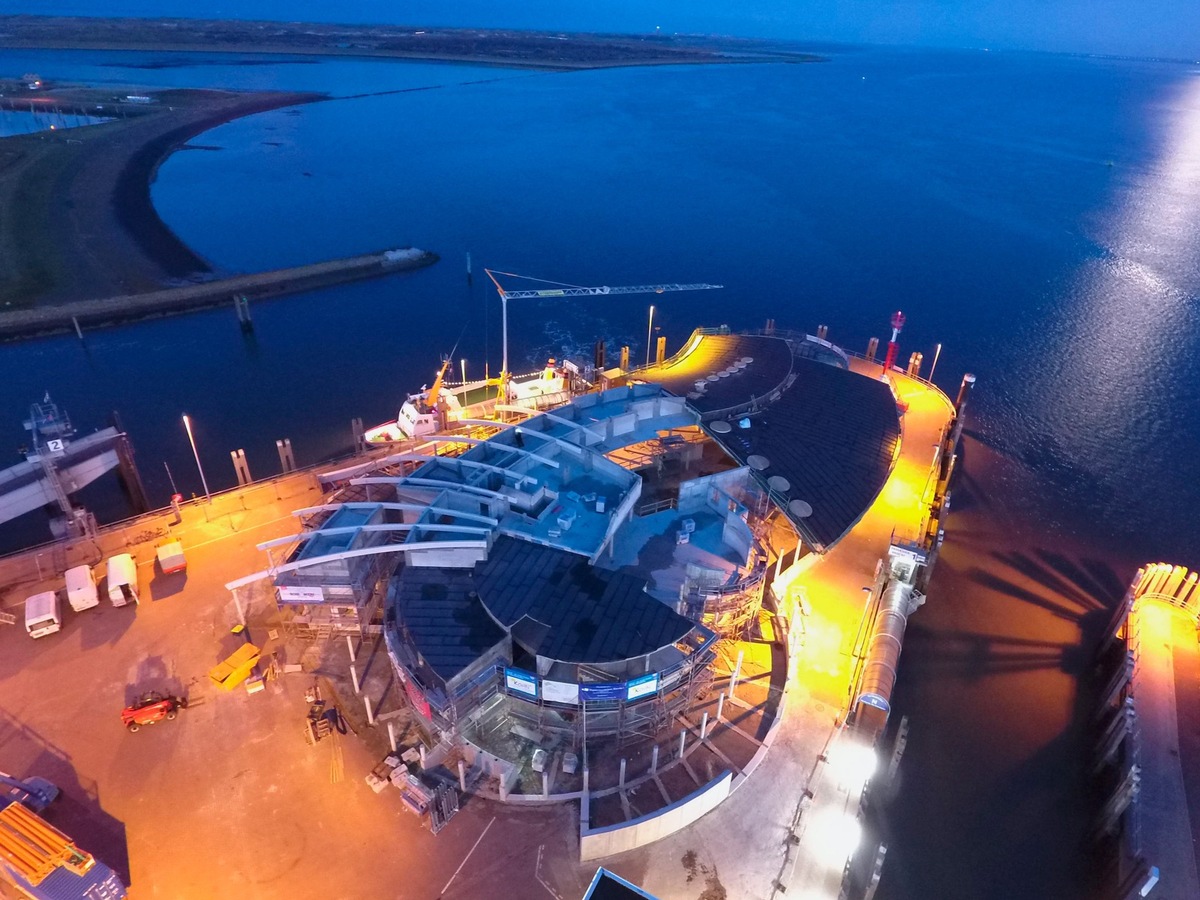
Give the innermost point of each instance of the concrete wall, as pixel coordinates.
(656, 826)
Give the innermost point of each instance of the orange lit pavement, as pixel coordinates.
(744, 844)
(227, 800)
(1166, 662)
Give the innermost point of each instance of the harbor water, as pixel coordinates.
(1036, 215)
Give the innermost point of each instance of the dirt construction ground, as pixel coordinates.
(229, 800)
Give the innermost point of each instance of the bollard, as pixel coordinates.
(585, 780)
(720, 705)
(737, 670)
(682, 742)
(545, 784)
(370, 714)
(704, 727)
(654, 760)
(462, 776)
(422, 757)
(621, 778)
(350, 647)
(354, 678)
(392, 735)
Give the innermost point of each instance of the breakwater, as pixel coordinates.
(113, 310)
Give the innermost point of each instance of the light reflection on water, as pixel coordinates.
(1103, 394)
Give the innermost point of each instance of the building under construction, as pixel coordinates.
(573, 571)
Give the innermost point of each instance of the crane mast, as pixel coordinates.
(559, 289)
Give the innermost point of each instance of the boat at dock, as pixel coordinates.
(443, 405)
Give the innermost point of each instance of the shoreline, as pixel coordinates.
(560, 51)
(499, 62)
(77, 220)
(80, 221)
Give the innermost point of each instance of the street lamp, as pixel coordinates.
(649, 335)
(187, 425)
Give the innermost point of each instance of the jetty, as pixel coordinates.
(79, 314)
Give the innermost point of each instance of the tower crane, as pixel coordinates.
(560, 289)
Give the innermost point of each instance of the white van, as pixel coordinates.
(122, 579)
(42, 614)
(81, 588)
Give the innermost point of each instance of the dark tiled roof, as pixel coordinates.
(606, 886)
(448, 626)
(772, 362)
(832, 435)
(592, 615)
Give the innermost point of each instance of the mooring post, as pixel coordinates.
(423, 766)
(654, 760)
(545, 784)
(392, 735)
(720, 705)
(287, 461)
(704, 727)
(621, 778)
(370, 714)
(737, 670)
(240, 467)
(350, 647)
(462, 776)
(682, 741)
(354, 678)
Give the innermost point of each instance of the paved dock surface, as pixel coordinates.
(1167, 668)
(229, 800)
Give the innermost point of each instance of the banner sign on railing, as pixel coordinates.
(642, 687)
(602, 691)
(560, 691)
(521, 681)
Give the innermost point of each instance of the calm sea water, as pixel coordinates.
(1039, 216)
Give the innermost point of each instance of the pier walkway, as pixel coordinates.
(1151, 721)
(110, 310)
(768, 839)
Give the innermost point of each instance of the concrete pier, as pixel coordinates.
(113, 310)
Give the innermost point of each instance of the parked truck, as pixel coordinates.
(81, 588)
(43, 614)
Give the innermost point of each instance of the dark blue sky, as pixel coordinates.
(1167, 28)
